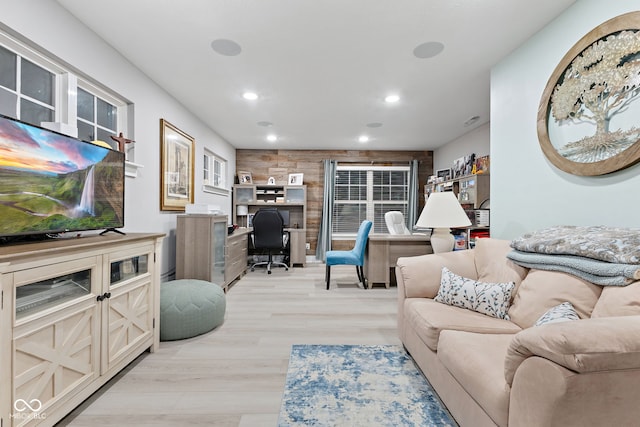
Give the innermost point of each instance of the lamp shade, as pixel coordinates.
(242, 210)
(443, 210)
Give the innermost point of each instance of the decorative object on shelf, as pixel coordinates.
(295, 178)
(441, 213)
(482, 165)
(176, 167)
(244, 177)
(588, 116)
(242, 211)
(271, 181)
(102, 144)
(463, 165)
(122, 141)
(280, 175)
(443, 174)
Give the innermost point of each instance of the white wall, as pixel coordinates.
(527, 191)
(48, 25)
(476, 141)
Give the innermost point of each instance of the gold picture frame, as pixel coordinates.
(588, 115)
(176, 167)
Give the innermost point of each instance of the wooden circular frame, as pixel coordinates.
(628, 157)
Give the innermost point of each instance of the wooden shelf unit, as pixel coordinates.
(289, 198)
(73, 313)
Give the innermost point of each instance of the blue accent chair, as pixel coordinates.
(353, 257)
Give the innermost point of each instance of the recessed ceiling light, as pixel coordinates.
(374, 125)
(471, 120)
(265, 124)
(250, 96)
(428, 50)
(226, 47)
(391, 98)
(272, 138)
(363, 138)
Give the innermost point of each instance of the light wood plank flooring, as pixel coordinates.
(235, 375)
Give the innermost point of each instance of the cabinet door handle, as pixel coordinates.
(100, 297)
(107, 294)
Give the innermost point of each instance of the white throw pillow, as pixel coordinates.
(492, 299)
(560, 313)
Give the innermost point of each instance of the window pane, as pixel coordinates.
(85, 131)
(105, 136)
(347, 217)
(106, 115)
(34, 113)
(8, 102)
(37, 82)
(85, 105)
(8, 69)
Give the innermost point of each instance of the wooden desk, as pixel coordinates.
(383, 250)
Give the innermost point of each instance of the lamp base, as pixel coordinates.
(442, 240)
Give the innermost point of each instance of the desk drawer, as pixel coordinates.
(407, 250)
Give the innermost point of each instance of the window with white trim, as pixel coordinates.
(27, 90)
(214, 172)
(97, 118)
(368, 192)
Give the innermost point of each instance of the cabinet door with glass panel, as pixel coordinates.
(127, 300)
(56, 340)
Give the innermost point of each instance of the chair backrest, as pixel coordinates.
(361, 240)
(395, 223)
(268, 228)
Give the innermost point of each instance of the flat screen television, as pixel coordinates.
(52, 183)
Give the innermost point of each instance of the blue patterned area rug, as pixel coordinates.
(358, 385)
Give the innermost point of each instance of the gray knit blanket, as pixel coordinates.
(598, 272)
(606, 256)
(610, 244)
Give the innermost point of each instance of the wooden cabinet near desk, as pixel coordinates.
(383, 251)
(205, 251)
(73, 313)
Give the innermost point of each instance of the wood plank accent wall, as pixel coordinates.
(309, 162)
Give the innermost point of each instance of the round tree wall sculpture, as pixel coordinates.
(589, 115)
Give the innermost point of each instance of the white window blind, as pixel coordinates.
(368, 192)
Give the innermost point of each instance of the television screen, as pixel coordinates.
(52, 183)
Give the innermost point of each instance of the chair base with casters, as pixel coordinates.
(353, 257)
(269, 262)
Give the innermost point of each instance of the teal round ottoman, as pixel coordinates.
(190, 307)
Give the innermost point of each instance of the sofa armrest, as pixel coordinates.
(588, 345)
(419, 276)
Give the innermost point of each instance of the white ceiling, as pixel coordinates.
(323, 67)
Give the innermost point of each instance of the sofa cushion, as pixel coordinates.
(428, 318)
(476, 361)
(541, 290)
(493, 265)
(618, 301)
(492, 299)
(417, 272)
(560, 313)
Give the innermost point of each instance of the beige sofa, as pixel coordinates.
(490, 371)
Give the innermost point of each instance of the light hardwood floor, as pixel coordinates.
(235, 374)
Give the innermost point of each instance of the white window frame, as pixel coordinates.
(210, 160)
(370, 203)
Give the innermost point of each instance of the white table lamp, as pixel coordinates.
(242, 210)
(442, 212)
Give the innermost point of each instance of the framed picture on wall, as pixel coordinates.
(176, 167)
(295, 179)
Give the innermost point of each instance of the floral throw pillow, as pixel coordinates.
(560, 313)
(492, 299)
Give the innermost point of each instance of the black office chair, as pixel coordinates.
(269, 234)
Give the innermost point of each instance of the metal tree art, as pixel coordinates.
(596, 83)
